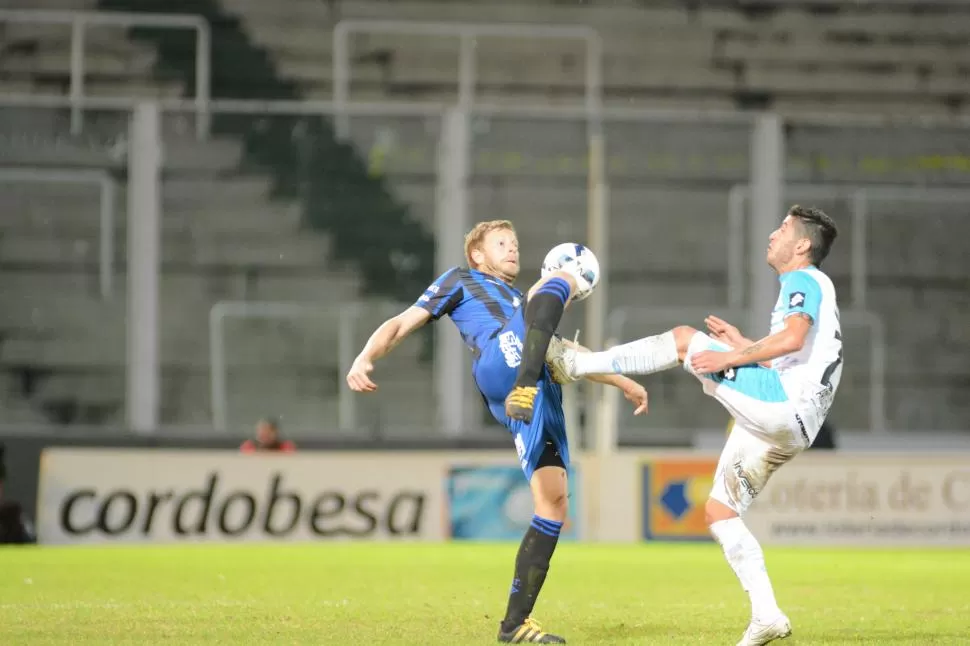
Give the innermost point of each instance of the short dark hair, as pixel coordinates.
(819, 228)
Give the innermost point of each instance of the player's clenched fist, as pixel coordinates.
(358, 378)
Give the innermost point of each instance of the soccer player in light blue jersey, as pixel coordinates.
(778, 390)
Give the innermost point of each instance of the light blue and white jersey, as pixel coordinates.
(812, 375)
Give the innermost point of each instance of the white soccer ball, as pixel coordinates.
(578, 261)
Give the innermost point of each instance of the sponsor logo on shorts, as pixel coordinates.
(801, 428)
(744, 482)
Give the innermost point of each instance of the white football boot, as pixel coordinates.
(758, 633)
(561, 361)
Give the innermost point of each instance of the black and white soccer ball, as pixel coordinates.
(579, 261)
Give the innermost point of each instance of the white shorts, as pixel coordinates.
(764, 436)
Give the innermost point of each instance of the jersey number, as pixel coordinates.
(827, 375)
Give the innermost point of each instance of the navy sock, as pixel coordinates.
(531, 566)
(542, 315)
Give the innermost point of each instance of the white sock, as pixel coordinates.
(640, 357)
(744, 554)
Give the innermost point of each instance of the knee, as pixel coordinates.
(552, 506)
(715, 511)
(683, 335)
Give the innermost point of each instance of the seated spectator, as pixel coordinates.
(268, 439)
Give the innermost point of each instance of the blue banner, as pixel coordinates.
(495, 503)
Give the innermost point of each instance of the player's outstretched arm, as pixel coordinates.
(634, 392)
(382, 341)
(788, 340)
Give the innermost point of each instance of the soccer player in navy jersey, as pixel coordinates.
(509, 334)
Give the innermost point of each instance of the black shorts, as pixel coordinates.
(550, 457)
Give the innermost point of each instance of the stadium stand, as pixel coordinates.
(254, 215)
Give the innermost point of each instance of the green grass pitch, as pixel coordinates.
(455, 594)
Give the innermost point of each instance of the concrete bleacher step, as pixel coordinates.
(99, 38)
(307, 54)
(71, 206)
(53, 5)
(276, 219)
(67, 303)
(886, 23)
(227, 191)
(927, 407)
(33, 219)
(307, 11)
(99, 350)
(73, 288)
(772, 78)
(19, 413)
(905, 106)
(185, 390)
(633, 63)
(315, 403)
(213, 249)
(102, 64)
(809, 50)
(187, 154)
(105, 385)
(115, 88)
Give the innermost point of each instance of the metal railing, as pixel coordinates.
(79, 21)
(860, 194)
(349, 342)
(466, 32)
(108, 188)
(346, 316)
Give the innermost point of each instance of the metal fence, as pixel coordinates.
(275, 207)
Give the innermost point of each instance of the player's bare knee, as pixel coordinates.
(549, 493)
(715, 511)
(555, 507)
(683, 335)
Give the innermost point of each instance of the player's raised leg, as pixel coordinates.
(549, 492)
(641, 357)
(546, 303)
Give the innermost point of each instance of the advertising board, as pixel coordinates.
(183, 496)
(866, 500)
(172, 496)
(493, 502)
(820, 498)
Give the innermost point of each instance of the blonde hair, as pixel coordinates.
(475, 237)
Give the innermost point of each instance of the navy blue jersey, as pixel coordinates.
(479, 304)
(489, 314)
